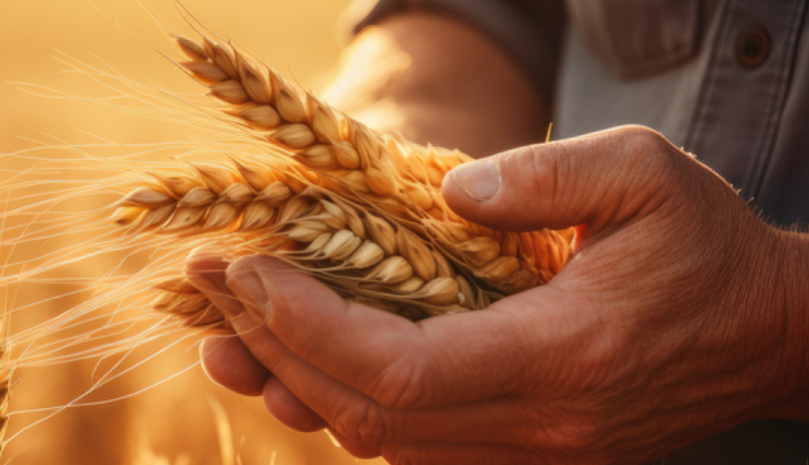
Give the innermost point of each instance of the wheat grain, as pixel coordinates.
(360, 252)
(358, 209)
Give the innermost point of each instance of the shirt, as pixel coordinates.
(727, 80)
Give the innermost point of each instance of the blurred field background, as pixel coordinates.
(175, 420)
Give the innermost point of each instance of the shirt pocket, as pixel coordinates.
(638, 38)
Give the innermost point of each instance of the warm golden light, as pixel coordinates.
(175, 420)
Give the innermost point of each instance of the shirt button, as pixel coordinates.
(753, 47)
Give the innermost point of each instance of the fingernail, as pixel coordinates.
(250, 289)
(213, 285)
(208, 346)
(480, 180)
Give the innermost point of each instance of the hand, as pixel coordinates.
(680, 316)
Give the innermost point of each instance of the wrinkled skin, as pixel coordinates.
(681, 315)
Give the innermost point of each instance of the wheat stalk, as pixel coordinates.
(5, 380)
(360, 210)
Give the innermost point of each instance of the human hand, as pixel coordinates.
(679, 316)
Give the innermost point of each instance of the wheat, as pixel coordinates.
(5, 380)
(361, 253)
(360, 210)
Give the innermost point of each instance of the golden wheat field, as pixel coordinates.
(167, 412)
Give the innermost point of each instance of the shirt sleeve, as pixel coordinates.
(528, 30)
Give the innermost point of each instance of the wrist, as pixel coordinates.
(787, 374)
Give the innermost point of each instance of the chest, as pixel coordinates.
(726, 79)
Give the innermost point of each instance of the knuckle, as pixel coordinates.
(645, 145)
(401, 384)
(578, 439)
(642, 135)
(404, 455)
(649, 159)
(554, 435)
(536, 169)
(365, 422)
(550, 173)
(543, 164)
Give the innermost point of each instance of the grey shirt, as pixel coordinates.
(727, 80)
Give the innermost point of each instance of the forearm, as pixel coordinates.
(437, 80)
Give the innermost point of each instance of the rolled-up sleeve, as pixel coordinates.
(528, 30)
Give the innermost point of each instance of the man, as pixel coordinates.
(678, 328)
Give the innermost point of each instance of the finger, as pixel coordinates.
(353, 414)
(229, 363)
(354, 447)
(600, 180)
(400, 364)
(361, 419)
(451, 454)
(289, 410)
(206, 272)
(357, 417)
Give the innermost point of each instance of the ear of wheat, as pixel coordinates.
(360, 210)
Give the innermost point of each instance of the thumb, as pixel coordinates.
(599, 180)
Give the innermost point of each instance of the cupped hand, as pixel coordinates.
(670, 323)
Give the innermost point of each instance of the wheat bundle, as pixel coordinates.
(360, 210)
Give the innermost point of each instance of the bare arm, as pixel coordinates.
(437, 80)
